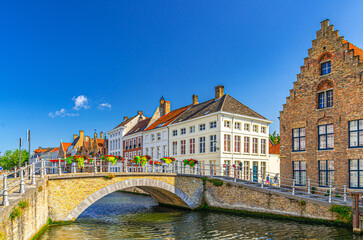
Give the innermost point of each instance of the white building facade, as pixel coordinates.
(156, 143)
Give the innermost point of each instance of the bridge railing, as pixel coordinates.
(338, 194)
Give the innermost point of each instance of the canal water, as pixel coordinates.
(130, 216)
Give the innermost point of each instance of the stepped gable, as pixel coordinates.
(139, 127)
(167, 118)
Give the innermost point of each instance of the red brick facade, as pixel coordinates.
(302, 110)
(132, 147)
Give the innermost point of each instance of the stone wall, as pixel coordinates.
(254, 199)
(32, 218)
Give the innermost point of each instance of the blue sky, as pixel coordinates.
(114, 58)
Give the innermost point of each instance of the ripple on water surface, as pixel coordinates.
(129, 216)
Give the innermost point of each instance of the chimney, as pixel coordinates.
(74, 136)
(195, 99)
(101, 134)
(140, 113)
(219, 91)
(95, 135)
(81, 135)
(125, 118)
(164, 106)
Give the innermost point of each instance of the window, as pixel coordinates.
(326, 173)
(356, 133)
(201, 127)
(147, 151)
(192, 129)
(192, 145)
(175, 132)
(152, 152)
(237, 125)
(126, 155)
(139, 142)
(247, 145)
(182, 147)
(298, 139)
(158, 152)
(263, 146)
(126, 145)
(299, 172)
(130, 144)
(213, 124)
(158, 136)
(255, 128)
(263, 129)
(255, 145)
(325, 99)
(202, 145)
(175, 148)
(237, 143)
(165, 151)
(183, 131)
(356, 173)
(152, 137)
(326, 137)
(325, 68)
(139, 153)
(227, 143)
(227, 124)
(134, 143)
(213, 143)
(247, 127)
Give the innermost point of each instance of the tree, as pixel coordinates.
(275, 138)
(11, 158)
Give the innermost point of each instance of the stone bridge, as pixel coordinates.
(71, 194)
(65, 197)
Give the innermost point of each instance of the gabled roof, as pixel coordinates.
(167, 118)
(226, 103)
(139, 127)
(126, 121)
(275, 149)
(65, 146)
(357, 50)
(55, 149)
(75, 141)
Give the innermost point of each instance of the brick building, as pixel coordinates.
(321, 124)
(133, 140)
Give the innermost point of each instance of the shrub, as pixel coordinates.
(313, 190)
(110, 176)
(204, 179)
(216, 182)
(40, 188)
(302, 203)
(15, 213)
(344, 213)
(228, 184)
(23, 204)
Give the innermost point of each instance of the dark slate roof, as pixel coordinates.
(139, 127)
(226, 103)
(75, 141)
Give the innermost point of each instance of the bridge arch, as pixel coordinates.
(149, 185)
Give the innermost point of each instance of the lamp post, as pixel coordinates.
(28, 138)
(20, 141)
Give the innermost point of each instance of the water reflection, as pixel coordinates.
(130, 216)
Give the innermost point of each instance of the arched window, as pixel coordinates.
(325, 94)
(325, 63)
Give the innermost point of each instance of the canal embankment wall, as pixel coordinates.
(26, 214)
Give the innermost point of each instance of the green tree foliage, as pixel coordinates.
(275, 138)
(11, 158)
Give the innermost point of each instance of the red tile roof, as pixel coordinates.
(167, 118)
(55, 149)
(357, 50)
(65, 146)
(275, 149)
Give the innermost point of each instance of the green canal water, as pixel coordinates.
(130, 216)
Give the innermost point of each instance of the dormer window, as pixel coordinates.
(325, 68)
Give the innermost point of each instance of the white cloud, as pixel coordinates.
(62, 113)
(104, 106)
(80, 102)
